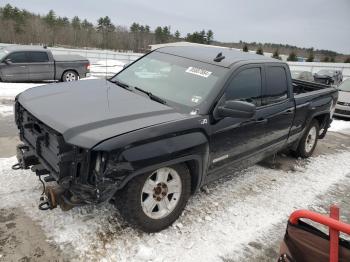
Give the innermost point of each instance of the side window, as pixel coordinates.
(37, 57)
(276, 85)
(246, 86)
(18, 57)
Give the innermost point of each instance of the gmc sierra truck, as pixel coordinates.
(33, 64)
(167, 124)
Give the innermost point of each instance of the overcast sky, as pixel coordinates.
(323, 24)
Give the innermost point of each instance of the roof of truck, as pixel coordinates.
(24, 48)
(207, 54)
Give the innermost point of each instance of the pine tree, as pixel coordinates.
(105, 27)
(260, 51)
(325, 59)
(134, 27)
(347, 60)
(276, 55)
(158, 33)
(292, 57)
(210, 36)
(177, 34)
(245, 48)
(311, 56)
(332, 60)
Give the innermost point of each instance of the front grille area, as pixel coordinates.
(58, 157)
(342, 112)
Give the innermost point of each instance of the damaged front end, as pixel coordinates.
(69, 174)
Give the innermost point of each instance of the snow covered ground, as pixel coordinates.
(217, 222)
(340, 126)
(103, 68)
(10, 90)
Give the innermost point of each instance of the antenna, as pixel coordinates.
(219, 57)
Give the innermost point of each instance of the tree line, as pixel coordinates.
(20, 26)
(23, 27)
(294, 53)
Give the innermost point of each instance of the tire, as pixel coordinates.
(309, 140)
(70, 76)
(147, 210)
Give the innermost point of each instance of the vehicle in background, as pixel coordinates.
(33, 64)
(302, 75)
(329, 77)
(164, 126)
(343, 105)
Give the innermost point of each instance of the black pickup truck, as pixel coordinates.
(167, 124)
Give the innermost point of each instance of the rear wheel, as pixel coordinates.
(153, 201)
(309, 140)
(70, 76)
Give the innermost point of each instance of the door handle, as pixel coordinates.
(288, 112)
(261, 120)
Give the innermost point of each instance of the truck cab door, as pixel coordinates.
(40, 66)
(14, 67)
(235, 141)
(278, 105)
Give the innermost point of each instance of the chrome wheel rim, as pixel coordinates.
(310, 140)
(71, 77)
(161, 193)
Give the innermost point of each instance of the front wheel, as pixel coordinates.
(70, 76)
(309, 140)
(153, 201)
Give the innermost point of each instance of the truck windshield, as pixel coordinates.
(345, 86)
(176, 79)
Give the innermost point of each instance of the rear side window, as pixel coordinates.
(18, 57)
(276, 85)
(37, 57)
(246, 86)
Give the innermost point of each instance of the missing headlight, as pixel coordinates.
(100, 162)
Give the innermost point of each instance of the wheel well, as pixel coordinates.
(73, 70)
(322, 119)
(194, 168)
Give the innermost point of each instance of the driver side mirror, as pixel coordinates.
(8, 61)
(237, 109)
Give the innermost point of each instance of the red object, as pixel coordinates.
(335, 226)
(334, 236)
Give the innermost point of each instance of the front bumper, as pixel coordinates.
(343, 111)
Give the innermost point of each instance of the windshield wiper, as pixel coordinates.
(121, 84)
(151, 96)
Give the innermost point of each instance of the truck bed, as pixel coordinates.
(68, 58)
(301, 86)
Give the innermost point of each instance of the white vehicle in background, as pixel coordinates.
(343, 105)
(302, 75)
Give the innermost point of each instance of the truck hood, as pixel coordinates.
(90, 111)
(323, 76)
(344, 97)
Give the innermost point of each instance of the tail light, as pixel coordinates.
(88, 67)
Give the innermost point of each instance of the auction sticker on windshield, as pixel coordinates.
(198, 71)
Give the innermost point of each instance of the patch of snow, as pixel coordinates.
(10, 90)
(241, 208)
(340, 125)
(6, 110)
(106, 67)
(109, 63)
